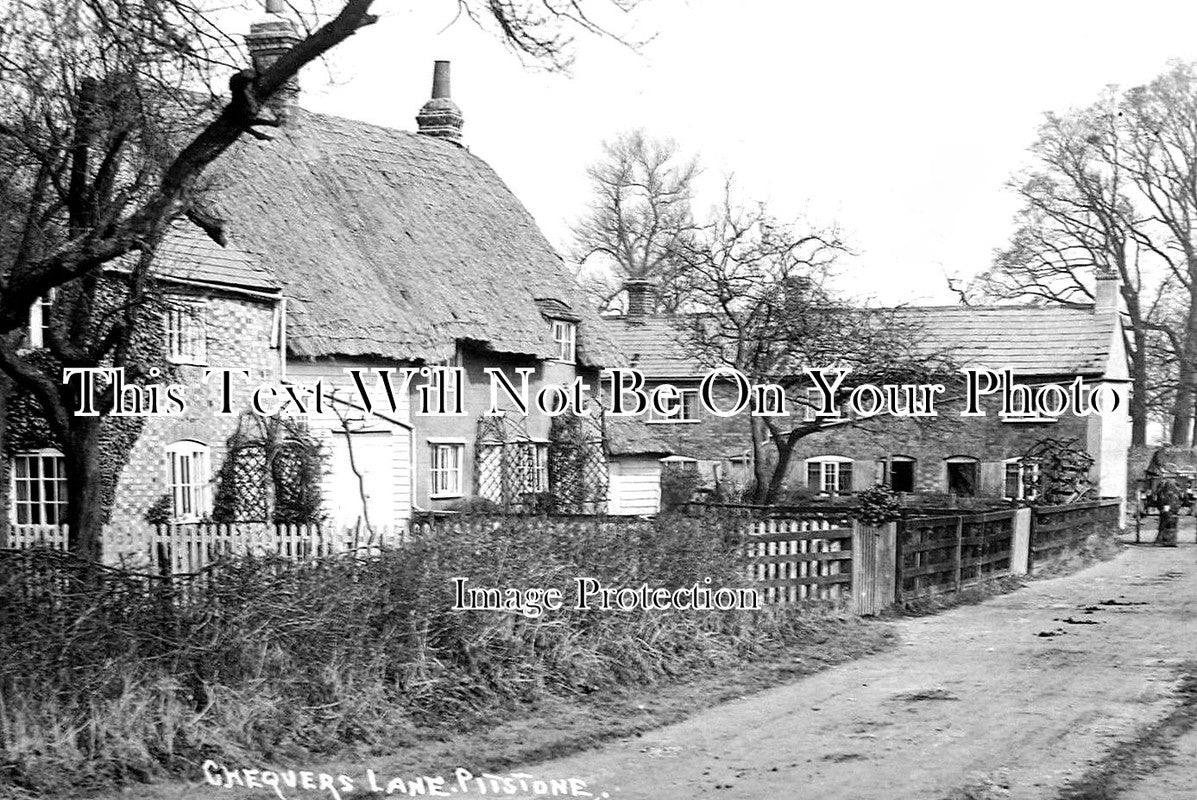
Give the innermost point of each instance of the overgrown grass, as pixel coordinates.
(103, 680)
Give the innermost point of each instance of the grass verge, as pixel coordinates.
(116, 679)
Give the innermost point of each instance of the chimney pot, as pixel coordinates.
(440, 117)
(440, 80)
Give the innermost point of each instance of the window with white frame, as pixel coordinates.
(186, 333)
(540, 467)
(39, 319)
(188, 474)
(445, 468)
(682, 408)
(39, 488)
(565, 338)
(829, 474)
(1022, 478)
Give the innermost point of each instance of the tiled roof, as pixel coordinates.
(655, 345)
(395, 244)
(189, 254)
(1035, 340)
(1029, 340)
(630, 436)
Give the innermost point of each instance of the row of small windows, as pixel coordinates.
(39, 488)
(832, 475)
(186, 329)
(39, 485)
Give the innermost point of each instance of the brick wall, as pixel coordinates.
(929, 442)
(239, 334)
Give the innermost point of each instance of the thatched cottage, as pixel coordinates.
(381, 249)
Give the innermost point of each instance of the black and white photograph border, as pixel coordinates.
(597, 398)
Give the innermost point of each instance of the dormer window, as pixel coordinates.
(565, 338)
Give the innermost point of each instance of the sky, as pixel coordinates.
(899, 122)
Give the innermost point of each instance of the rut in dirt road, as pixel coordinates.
(1023, 696)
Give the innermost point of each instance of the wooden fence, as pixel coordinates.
(949, 553)
(1057, 529)
(189, 548)
(25, 536)
(791, 557)
(794, 560)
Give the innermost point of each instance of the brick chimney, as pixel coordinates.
(268, 39)
(440, 116)
(1106, 293)
(640, 298)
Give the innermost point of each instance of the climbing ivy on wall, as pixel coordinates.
(273, 469)
(27, 426)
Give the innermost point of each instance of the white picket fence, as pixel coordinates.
(188, 548)
(23, 536)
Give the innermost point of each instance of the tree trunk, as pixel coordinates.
(85, 482)
(785, 451)
(760, 471)
(1186, 376)
(1138, 400)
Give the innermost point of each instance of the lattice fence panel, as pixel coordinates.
(243, 483)
(578, 478)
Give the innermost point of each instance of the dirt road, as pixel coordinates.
(1018, 697)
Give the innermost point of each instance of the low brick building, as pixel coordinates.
(949, 453)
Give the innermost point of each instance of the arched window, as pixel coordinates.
(188, 474)
(829, 474)
(897, 472)
(39, 489)
(963, 475)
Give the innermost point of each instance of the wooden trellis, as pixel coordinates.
(567, 474)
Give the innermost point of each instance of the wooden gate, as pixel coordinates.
(874, 551)
(795, 560)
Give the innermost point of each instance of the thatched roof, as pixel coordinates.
(396, 245)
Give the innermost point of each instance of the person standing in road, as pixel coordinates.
(1167, 499)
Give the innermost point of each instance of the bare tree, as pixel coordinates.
(1113, 193)
(1159, 154)
(761, 301)
(640, 218)
(105, 139)
(1078, 223)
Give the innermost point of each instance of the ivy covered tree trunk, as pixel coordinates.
(5, 500)
(85, 488)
